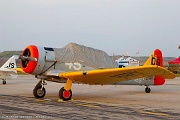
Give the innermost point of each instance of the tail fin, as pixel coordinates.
(11, 63)
(156, 59)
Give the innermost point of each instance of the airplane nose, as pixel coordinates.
(29, 59)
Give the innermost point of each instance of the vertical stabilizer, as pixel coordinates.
(156, 59)
(10, 64)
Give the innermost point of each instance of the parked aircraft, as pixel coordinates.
(7, 71)
(127, 62)
(79, 64)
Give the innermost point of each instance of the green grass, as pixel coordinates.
(177, 75)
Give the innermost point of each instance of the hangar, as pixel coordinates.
(174, 65)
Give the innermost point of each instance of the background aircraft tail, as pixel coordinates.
(7, 71)
(10, 64)
(156, 59)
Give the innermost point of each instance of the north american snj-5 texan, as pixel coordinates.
(80, 64)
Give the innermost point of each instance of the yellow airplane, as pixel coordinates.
(80, 64)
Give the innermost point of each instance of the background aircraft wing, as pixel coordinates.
(8, 72)
(110, 76)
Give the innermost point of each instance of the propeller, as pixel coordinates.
(25, 58)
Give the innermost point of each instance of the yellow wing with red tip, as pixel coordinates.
(110, 76)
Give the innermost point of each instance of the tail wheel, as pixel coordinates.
(147, 90)
(39, 91)
(4, 82)
(65, 95)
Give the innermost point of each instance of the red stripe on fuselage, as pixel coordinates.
(158, 80)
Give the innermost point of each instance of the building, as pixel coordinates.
(174, 66)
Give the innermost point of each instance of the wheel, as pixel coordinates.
(147, 90)
(39, 92)
(65, 95)
(4, 82)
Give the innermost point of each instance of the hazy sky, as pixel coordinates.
(117, 26)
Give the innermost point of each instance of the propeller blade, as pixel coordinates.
(24, 58)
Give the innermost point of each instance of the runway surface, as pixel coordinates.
(90, 102)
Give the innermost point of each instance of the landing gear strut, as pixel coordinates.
(147, 89)
(65, 92)
(39, 90)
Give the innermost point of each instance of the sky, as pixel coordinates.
(114, 26)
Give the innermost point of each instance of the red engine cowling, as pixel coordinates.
(33, 67)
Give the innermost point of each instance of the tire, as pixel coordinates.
(39, 92)
(65, 95)
(4, 82)
(147, 90)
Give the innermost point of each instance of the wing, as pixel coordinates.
(4, 71)
(110, 76)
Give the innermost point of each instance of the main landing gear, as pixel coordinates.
(65, 92)
(147, 89)
(39, 90)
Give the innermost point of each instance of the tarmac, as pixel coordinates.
(89, 101)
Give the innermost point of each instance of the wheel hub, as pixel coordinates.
(66, 94)
(40, 92)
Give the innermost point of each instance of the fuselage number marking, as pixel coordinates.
(154, 62)
(75, 66)
(11, 65)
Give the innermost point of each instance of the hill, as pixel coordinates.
(5, 55)
(9, 53)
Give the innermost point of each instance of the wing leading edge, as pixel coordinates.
(13, 72)
(110, 76)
